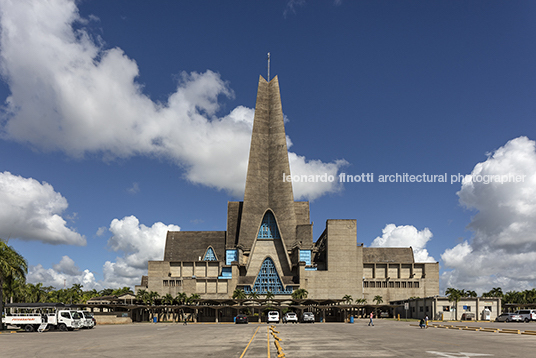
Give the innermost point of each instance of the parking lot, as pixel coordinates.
(386, 339)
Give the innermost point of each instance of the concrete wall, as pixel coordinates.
(440, 308)
(190, 277)
(343, 274)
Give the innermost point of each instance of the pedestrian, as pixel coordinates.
(426, 321)
(370, 322)
(421, 323)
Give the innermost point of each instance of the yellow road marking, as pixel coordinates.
(268, 341)
(254, 334)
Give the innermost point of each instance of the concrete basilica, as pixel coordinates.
(268, 245)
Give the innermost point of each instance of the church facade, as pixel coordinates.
(268, 244)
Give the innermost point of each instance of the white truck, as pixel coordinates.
(40, 316)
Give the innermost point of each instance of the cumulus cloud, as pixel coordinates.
(63, 274)
(136, 244)
(501, 252)
(404, 236)
(139, 244)
(30, 210)
(70, 94)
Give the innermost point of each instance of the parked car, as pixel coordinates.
(241, 318)
(308, 317)
(273, 316)
(290, 317)
(527, 315)
(509, 317)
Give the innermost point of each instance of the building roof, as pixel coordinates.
(388, 254)
(190, 245)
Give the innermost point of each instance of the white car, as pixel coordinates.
(290, 317)
(273, 316)
(527, 315)
(308, 317)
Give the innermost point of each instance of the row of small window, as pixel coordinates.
(172, 283)
(391, 284)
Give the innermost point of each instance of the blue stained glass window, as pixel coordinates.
(230, 256)
(268, 281)
(210, 256)
(305, 255)
(268, 228)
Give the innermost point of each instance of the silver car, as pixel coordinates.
(509, 317)
(308, 317)
(290, 317)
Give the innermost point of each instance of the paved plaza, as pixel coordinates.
(386, 339)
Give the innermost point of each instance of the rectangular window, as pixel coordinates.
(426, 308)
(166, 282)
(446, 308)
(403, 284)
(420, 309)
(384, 284)
(488, 308)
(391, 284)
(397, 284)
(468, 309)
(305, 255)
(365, 284)
(230, 256)
(410, 284)
(416, 284)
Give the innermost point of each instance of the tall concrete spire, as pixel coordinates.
(268, 162)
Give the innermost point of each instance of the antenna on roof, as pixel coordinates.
(268, 66)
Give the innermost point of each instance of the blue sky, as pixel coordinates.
(123, 119)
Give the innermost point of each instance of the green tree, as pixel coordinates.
(181, 298)
(153, 297)
(35, 293)
(106, 292)
(12, 267)
(142, 296)
(269, 296)
(348, 299)
(470, 294)
(300, 294)
(122, 291)
(455, 296)
(494, 292)
(194, 297)
(168, 299)
(378, 299)
(253, 295)
(239, 294)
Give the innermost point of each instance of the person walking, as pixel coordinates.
(370, 322)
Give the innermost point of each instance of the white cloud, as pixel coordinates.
(503, 247)
(404, 236)
(30, 210)
(134, 189)
(70, 94)
(63, 274)
(139, 244)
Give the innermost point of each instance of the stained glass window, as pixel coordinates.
(268, 281)
(210, 256)
(268, 228)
